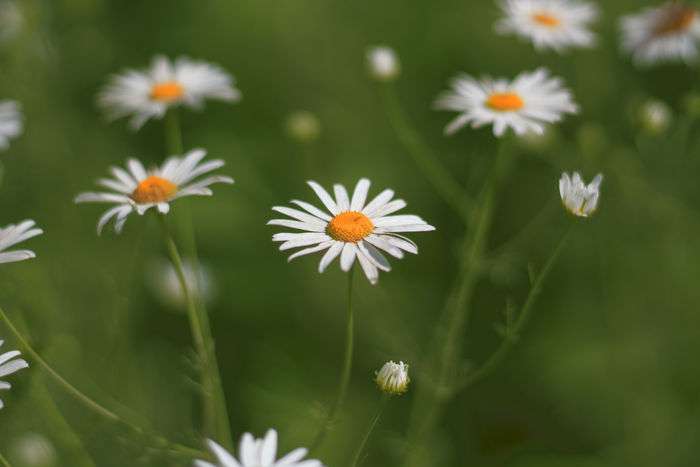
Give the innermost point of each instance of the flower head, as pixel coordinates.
(526, 104)
(10, 122)
(138, 190)
(549, 24)
(383, 63)
(9, 364)
(14, 234)
(393, 378)
(669, 32)
(165, 284)
(257, 453)
(149, 94)
(579, 199)
(655, 116)
(351, 229)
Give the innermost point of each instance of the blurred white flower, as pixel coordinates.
(34, 450)
(549, 24)
(257, 453)
(166, 285)
(303, 126)
(526, 104)
(666, 33)
(354, 228)
(14, 234)
(138, 190)
(149, 94)
(11, 20)
(579, 199)
(10, 122)
(655, 116)
(383, 63)
(393, 378)
(9, 364)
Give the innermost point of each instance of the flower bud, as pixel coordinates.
(393, 378)
(383, 63)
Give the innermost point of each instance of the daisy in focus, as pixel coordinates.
(138, 190)
(352, 228)
(393, 378)
(663, 34)
(526, 104)
(10, 122)
(14, 234)
(580, 199)
(149, 94)
(257, 453)
(549, 24)
(9, 364)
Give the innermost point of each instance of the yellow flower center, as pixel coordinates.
(505, 102)
(168, 91)
(546, 19)
(350, 226)
(154, 190)
(678, 19)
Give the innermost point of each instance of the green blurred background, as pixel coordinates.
(606, 373)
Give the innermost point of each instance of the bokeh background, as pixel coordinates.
(606, 373)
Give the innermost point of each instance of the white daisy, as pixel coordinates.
(137, 190)
(14, 234)
(393, 378)
(353, 229)
(144, 95)
(580, 199)
(549, 24)
(383, 63)
(10, 122)
(258, 453)
(666, 33)
(526, 104)
(9, 365)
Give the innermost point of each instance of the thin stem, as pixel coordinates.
(173, 133)
(4, 462)
(441, 179)
(358, 455)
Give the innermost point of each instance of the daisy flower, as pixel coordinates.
(579, 199)
(526, 104)
(149, 94)
(14, 234)
(549, 24)
(666, 33)
(10, 122)
(353, 229)
(136, 190)
(257, 453)
(9, 365)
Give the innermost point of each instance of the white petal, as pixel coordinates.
(341, 197)
(359, 196)
(347, 257)
(330, 255)
(324, 197)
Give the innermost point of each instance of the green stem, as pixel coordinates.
(173, 133)
(4, 462)
(358, 455)
(441, 179)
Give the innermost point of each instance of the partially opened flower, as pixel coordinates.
(393, 378)
(9, 364)
(580, 199)
(549, 24)
(526, 104)
(352, 228)
(257, 453)
(149, 94)
(14, 234)
(669, 32)
(138, 190)
(10, 122)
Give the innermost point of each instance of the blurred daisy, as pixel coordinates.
(353, 229)
(526, 104)
(137, 190)
(257, 453)
(149, 94)
(666, 33)
(10, 122)
(14, 234)
(549, 24)
(11, 20)
(166, 286)
(579, 199)
(383, 63)
(655, 116)
(34, 450)
(9, 364)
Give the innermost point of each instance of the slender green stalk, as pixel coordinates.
(173, 133)
(4, 462)
(346, 372)
(441, 179)
(375, 420)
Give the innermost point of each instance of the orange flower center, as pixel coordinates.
(546, 19)
(168, 91)
(505, 102)
(678, 19)
(350, 226)
(154, 190)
